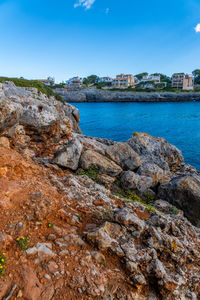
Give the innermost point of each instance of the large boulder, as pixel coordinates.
(155, 172)
(91, 158)
(156, 150)
(69, 155)
(124, 156)
(131, 180)
(184, 192)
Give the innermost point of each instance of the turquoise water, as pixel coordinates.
(179, 123)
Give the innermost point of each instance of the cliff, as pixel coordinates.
(89, 218)
(95, 95)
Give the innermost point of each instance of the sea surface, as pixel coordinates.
(178, 123)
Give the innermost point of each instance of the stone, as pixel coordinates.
(124, 156)
(91, 158)
(32, 286)
(4, 141)
(184, 192)
(99, 257)
(155, 172)
(138, 279)
(6, 240)
(156, 150)
(10, 113)
(43, 250)
(131, 180)
(106, 180)
(158, 269)
(163, 206)
(127, 218)
(69, 155)
(53, 267)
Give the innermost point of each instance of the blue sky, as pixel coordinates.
(65, 38)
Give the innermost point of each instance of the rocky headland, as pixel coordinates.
(93, 94)
(89, 218)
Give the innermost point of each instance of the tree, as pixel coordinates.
(86, 81)
(93, 79)
(140, 75)
(196, 74)
(163, 77)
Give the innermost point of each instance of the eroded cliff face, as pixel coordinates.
(89, 218)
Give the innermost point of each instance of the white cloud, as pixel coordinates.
(85, 3)
(197, 28)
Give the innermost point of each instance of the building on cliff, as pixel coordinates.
(182, 81)
(105, 79)
(49, 81)
(153, 78)
(75, 82)
(124, 81)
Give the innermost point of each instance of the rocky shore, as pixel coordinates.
(89, 218)
(96, 95)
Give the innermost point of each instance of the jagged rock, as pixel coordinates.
(156, 150)
(131, 180)
(106, 180)
(146, 252)
(184, 192)
(138, 279)
(10, 113)
(69, 155)
(155, 172)
(124, 156)
(129, 219)
(163, 206)
(91, 158)
(91, 144)
(43, 250)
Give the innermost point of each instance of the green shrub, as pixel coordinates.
(50, 225)
(2, 263)
(174, 210)
(92, 172)
(23, 243)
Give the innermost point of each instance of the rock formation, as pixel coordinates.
(93, 94)
(88, 218)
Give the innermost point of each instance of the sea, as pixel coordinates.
(177, 122)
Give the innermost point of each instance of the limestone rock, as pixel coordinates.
(155, 172)
(131, 180)
(69, 155)
(124, 156)
(156, 150)
(10, 113)
(184, 192)
(91, 158)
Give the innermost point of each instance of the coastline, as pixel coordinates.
(95, 95)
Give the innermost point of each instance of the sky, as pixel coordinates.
(65, 38)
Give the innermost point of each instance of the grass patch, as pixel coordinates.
(92, 173)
